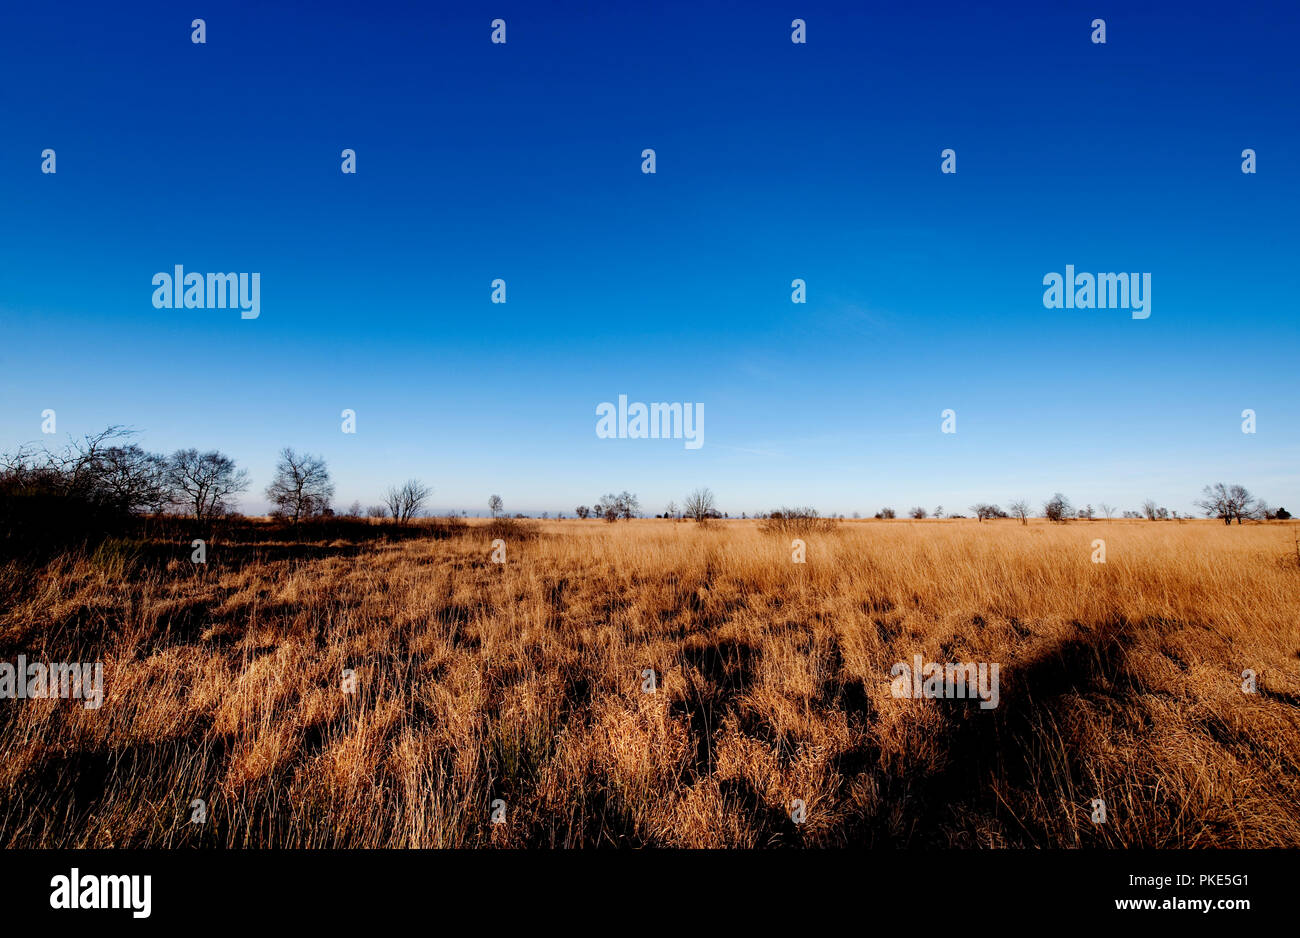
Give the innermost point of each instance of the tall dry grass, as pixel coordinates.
(523, 682)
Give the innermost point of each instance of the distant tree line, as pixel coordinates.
(105, 478)
(1226, 502)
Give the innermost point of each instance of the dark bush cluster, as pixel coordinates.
(796, 521)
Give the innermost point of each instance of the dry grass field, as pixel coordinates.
(522, 681)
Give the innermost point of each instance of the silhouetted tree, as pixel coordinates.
(301, 486)
(699, 505)
(405, 502)
(1057, 509)
(1227, 502)
(204, 481)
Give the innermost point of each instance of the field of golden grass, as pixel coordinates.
(522, 683)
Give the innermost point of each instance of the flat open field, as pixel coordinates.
(523, 683)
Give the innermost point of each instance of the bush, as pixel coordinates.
(1058, 509)
(796, 521)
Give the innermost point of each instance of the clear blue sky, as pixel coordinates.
(775, 161)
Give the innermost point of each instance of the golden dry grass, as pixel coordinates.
(523, 682)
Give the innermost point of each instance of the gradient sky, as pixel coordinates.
(775, 161)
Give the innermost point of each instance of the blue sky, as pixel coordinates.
(775, 161)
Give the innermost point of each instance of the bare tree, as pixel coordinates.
(613, 507)
(80, 466)
(97, 472)
(1245, 505)
(405, 502)
(1227, 502)
(495, 505)
(582, 511)
(1149, 510)
(1107, 510)
(628, 505)
(1019, 508)
(984, 510)
(204, 481)
(917, 513)
(670, 511)
(1057, 509)
(301, 486)
(699, 505)
(135, 480)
